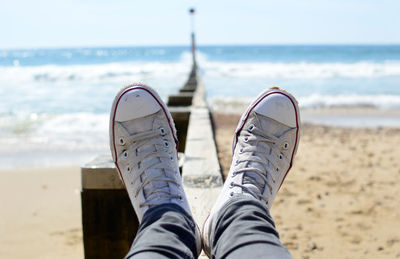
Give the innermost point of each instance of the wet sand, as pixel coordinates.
(340, 200)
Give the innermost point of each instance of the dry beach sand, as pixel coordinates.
(339, 201)
(40, 214)
(341, 198)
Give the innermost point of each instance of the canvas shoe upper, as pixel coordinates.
(143, 145)
(264, 146)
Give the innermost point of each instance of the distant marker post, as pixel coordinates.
(191, 13)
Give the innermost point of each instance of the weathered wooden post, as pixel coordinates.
(192, 12)
(109, 222)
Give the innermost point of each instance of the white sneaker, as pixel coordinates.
(143, 144)
(264, 146)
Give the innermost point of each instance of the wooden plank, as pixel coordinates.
(109, 223)
(201, 172)
(101, 174)
(181, 99)
(181, 117)
(202, 179)
(180, 113)
(192, 82)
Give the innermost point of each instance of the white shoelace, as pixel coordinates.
(249, 156)
(150, 138)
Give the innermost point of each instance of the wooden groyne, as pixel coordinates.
(109, 222)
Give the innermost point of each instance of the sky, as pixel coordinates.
(86, 23)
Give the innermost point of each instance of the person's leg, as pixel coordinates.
(166, 231)
(143, 144)
(244, 228)
(264, 146)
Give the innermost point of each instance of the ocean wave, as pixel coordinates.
(215, 69)
(74, 131)
(92, 73)
(302, 70)
(238, 105)
(49, 140)
(351, 100)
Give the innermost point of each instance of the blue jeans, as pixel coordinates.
(244, 229)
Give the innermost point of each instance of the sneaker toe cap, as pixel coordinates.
(280, 107)
(136, 103)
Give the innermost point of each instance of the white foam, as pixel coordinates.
(302, 70)
(126, 71)
(236, 104)
(350, 100)
(80, 131)
(110, 72)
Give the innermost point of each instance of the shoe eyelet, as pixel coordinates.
(280, 156)
(180, 198)
(285, 145)
(278, 170)
(128, 169)
(166, 144)
(231, 194)
(241, 151)
(121, 141)
(125, 154)
(236, 162)
(172, 158)
(162, 131)
(251, 127)
(246, 139)
(231, 185)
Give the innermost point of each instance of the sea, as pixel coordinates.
(55, 103)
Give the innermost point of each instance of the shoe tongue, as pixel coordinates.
(271, 126)
(140, 125)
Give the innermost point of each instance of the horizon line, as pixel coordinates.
(199, 45)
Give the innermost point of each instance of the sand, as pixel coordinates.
(341, 198)
(40, 213)
(339, 201)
